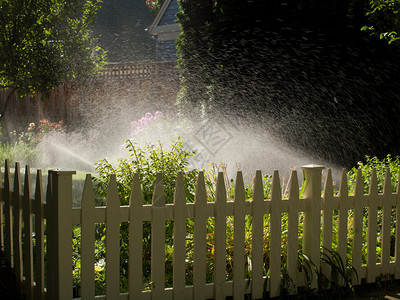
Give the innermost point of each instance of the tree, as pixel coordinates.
(384, 15)
(44, 43)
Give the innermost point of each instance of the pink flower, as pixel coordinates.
(148, 115)
(134, 124)
(157, 114)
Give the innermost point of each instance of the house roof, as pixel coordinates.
(164, 24)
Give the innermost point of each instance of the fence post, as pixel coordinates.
(59, 234)
(312, 217)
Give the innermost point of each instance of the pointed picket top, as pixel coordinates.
(201, 193)
(200, 221)
(136, 196)
(386, 223)
(293, 187)
(87, 243)
(158, 194)
(373, 185)
(220, 238)
(17, 222)
(359, 189)
(239, 237)
(17, 179)
(39, 237)
(293, 223)
(258, 192)
(220, 192)
(179, 194)
(8, 214)
(27, 183)
(179, 267)
(357, 227)
(276, 193)
(387, 187)
(135, 239)
(328, 187)
(112, 239)
(28, 246)
(275, 236)
(257, 240)
(343, 188)
(239, 187)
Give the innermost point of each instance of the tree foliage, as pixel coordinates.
(44, 43)
(384, 15)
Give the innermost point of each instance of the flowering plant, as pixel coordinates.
(141, 124)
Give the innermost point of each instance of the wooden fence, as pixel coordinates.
(31, 216)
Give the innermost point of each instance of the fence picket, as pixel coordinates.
(9, 253)
(58, 223)
(158, 240)
(343, 218)
(257, 243)
(387, 213)
(17, 223)
(2, 206)
(28, 245)
(135, 240)
(275, 236)
(239, 238)
(372, 227)
(357, 227)
(87, 240)
(397, 245)
(293, 232)
(39, 237)
(327, 221)
(220, 238)
(112, 240)
(200, 242)
(179, 268)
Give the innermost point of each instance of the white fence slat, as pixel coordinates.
(372, 228)
(327, 221)
(293, 232)
(28, 244)
(179, 268)
(200, 242)
(275, 236)
(220, 239)
(158, 240)
(239, 238)
(386, 226)
(343, 218)
(359, 204)
(112, 240)
(257, 260)
(17, 213)
(397, 245)
(87, 240)
(50, 253)
(9, 253)
(135, 240)
(39, 236)
(312, 217)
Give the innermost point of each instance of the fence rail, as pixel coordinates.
(128, 71)
(27, 220)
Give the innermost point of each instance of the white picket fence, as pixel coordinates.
(27, 219)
